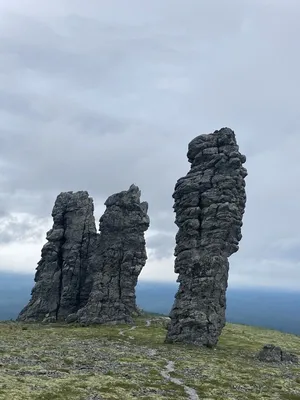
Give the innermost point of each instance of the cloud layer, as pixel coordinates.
(101, 95)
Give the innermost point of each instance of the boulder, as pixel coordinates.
(272, 353)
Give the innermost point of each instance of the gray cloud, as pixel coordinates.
(24, 229)
(162, 245)
(101, 96)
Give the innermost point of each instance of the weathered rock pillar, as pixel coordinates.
(118, 260)
(209, 206)
(61, 273)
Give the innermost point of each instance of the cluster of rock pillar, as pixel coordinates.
(90, 277)
(87, 276)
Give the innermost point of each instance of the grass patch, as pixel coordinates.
(72, 362)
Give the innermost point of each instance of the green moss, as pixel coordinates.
(68, 361)
(291, 396)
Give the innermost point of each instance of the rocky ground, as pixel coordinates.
(69, 362)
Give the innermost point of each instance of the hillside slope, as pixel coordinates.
(58, 362)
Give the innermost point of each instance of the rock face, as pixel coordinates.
(61, 286)
(118, 260)
(271, 353)
(209, 205)
(86, 276)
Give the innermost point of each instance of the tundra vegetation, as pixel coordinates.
(68, 361)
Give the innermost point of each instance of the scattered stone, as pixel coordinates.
(151, 352)
(209, 205)
(119, 258)
(49, 320)
(71, 318)
(271, 353)
(61, 286)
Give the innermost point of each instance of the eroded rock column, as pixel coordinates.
(209, 205)
(118, 259)
(60, 287)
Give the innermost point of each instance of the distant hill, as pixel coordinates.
(266, 308)
(15, 290)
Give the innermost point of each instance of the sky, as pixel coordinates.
(98, 95)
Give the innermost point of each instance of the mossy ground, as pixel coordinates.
(68, 362)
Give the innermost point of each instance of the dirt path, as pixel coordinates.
(192, 394)
(121, 332)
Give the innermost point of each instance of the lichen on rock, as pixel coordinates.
(209, 206)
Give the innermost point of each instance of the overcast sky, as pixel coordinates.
(98, 95)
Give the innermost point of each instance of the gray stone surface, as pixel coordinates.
(271, 353)
(61, 286)
(118, 260)
(209, 205)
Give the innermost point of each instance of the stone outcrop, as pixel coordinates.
(84, 275)
(120, 256)
(62, 286)
(209, 205)
(274, 354)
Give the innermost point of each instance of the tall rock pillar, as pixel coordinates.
(118, 260)
(61, 273)
(209, 206)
